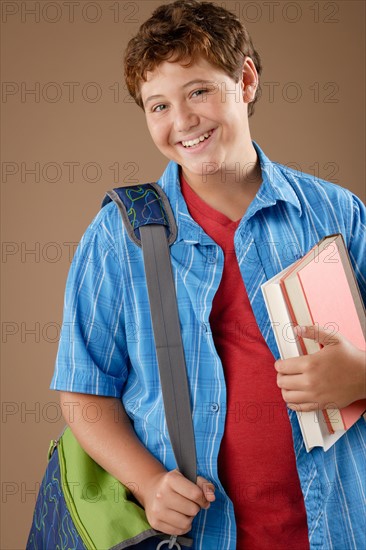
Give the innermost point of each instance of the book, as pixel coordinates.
(320, 288)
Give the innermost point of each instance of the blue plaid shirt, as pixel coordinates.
(107, 347)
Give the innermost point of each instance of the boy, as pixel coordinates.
(194, 71)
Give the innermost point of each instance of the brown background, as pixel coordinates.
(311, 115)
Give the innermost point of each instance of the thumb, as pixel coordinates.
(325, 336)
(207, 487)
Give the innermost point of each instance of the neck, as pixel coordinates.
(230, 188)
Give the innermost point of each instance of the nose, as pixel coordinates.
(184, 118)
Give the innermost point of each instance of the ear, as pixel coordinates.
(249, 81)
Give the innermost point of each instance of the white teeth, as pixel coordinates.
(192, 142)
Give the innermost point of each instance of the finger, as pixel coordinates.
(325, 336)
(290, 382)
(297, 397)
(294, 365)
(187, 489)
(208, 489)
(182, 505)
(174, 524)
(304, 407)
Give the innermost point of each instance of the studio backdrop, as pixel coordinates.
(70, 132)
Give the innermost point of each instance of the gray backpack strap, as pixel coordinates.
(152, 229)
(169, 348)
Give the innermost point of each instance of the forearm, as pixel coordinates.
(105, 432)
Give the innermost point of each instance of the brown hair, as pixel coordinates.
(184, 31)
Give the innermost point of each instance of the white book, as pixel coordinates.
(312, 424)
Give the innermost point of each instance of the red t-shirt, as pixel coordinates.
(256, 461)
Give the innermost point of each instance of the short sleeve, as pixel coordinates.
(92, 355)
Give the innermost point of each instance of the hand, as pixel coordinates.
(172, 502)
(331, 378)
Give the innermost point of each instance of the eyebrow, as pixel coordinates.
(190, 83)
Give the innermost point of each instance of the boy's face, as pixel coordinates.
(197, 116)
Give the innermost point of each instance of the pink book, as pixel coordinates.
(323, 283)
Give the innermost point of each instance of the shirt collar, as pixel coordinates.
(188, 229)
(275, 187)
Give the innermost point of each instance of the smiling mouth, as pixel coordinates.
(194, 142)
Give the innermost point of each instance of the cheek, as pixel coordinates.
(157, 132)
(236, 117)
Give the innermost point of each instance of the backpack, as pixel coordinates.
(76, 508)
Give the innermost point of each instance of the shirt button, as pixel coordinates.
(214, 407)
(212, 259)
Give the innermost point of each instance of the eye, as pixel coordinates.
(199, 92)
(158, 108)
